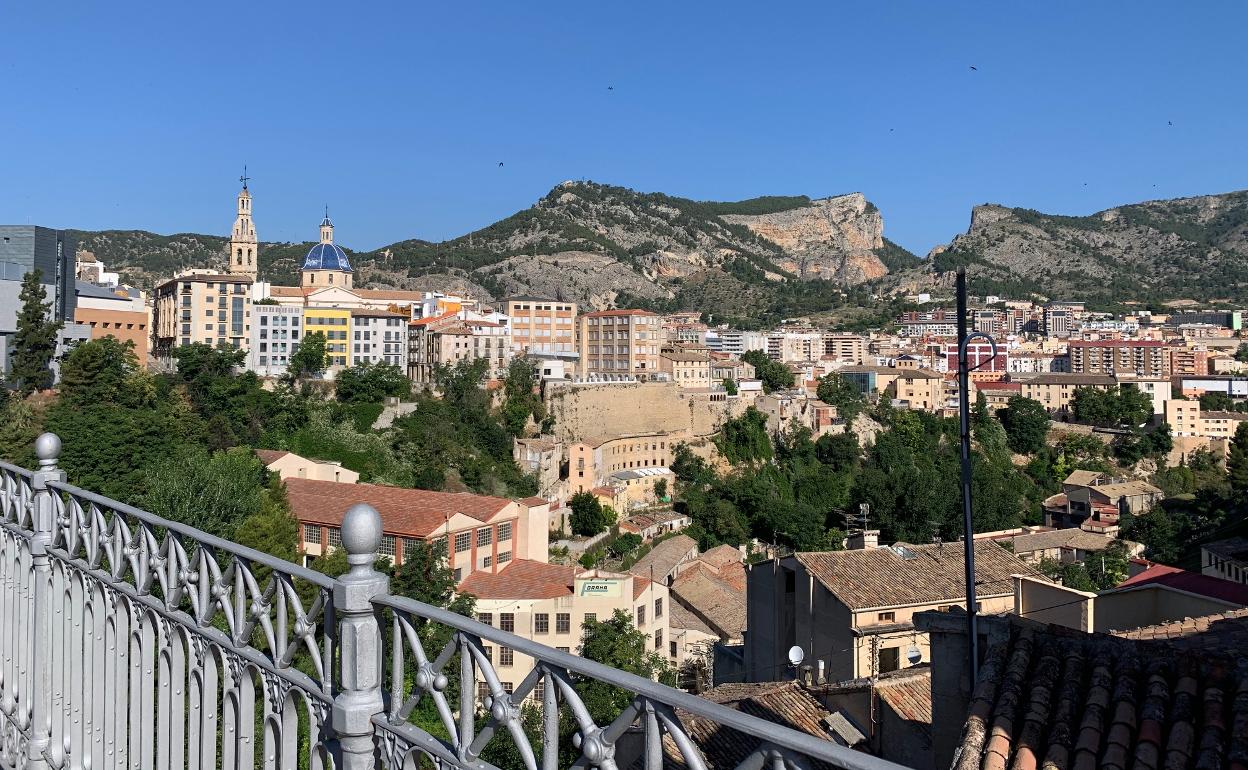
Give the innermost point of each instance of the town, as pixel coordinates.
(767, 519)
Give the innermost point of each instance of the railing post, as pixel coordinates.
(359, 642)
(47, 449)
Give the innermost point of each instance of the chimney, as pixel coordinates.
(821, 673)
(868, 538)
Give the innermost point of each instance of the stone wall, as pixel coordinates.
(629, 408)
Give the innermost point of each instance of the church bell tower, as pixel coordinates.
(243, 248)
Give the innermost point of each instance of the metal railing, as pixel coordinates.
(131, 641)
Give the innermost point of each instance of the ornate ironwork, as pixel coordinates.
(130, 641)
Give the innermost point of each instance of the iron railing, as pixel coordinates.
(131, 641)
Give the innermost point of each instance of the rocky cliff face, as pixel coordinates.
(834, 238)
(1185, 248)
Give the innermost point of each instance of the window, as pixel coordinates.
(504, 532)
(487, 561)
(563, 622)
(312, 533)
(387, 547)
(886, 617)
(335, 537)
(507, 621)
(485, 536)
(539, 692)
(658, 639)
(562, 649)
(483, 690)
(591, 617)
(641, 615)
(672, 651)
(890, 659)
(504, 557)
(463, 541)
(506, 656)
(541, 623)
(508, 687)
(658, 608)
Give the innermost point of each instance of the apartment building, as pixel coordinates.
(735, 342)
(1055, 391)
(1185, 359)
(984, 363)
(276, 331)
(550, 603)
(920, 389)
(619, 342)
(850, 348)
(591, 461)
(852, 611)
(1145, 358)
(541, 325)
(201, 306)
(1186, 419)
(483, 534)
(119, 313)
(334, 323)
(687, 369)
(1226, 559)
(379, 337)
(795, 346)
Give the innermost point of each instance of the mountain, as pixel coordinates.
(1157, 251)
(597, 244)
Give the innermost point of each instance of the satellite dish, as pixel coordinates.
(796, 656)
(914, 655)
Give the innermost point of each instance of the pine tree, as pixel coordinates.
(1237, 459)
(34, 344)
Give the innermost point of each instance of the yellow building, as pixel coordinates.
(201, 306)
(334, 323)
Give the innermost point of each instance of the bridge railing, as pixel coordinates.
(131, 641)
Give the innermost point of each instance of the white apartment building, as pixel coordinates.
(378, 337)
(274, 338)
(795, 346)
(735, 342)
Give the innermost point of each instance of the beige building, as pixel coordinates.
(201, 306)
(1095, 500)
(850, 348)
(686, 369)
(119, 313)
(1187, 420)
(1145, 358)
(540, 325)
(447, 339)
(288, 465)
(550, 604)
(619, 342)
(1056, 391)
(483, 534)
(592, 461)
(921, 389)
(852, 611)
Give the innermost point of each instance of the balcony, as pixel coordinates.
(131, 641)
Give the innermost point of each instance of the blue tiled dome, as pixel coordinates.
(326, 256)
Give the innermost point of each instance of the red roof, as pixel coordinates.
(407, 512)
(1192, 582)
(433, 318)
(521, 579)
(601, 313)
(269, 456)
(640, 585)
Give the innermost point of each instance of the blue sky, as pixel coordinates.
(396, 115)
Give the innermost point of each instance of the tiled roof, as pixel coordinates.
(1192, 582)
(1116, 343)
(664, 557)
(408, 512)
(1059, 538)
(1082, 478)
(720, 604)
(1072, 379)
(908, 693)
(373, 313)
(533, 502)
(912, 574)
(602, 313)
(679, 616)
(433, 319)
(640, 585)
(1056, 698)
(785, 703)
(1227, 633)
(270, 456)
(721, 555)
(521, 579)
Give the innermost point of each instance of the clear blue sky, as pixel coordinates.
(117, 115)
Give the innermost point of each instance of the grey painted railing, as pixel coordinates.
(130, 641)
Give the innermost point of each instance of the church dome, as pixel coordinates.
(326, 256)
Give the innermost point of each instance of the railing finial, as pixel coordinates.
(48, 450)
(361, 536)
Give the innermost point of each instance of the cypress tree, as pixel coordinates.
(34, 344)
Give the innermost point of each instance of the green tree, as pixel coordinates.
(839, 451)
(588, 515)
(745, 439)
(1026, 424)
(369, 383)
(615, 642)
(1237, 460)
(34, 342)
(1094, 406)
(309, 359)
(214, 493)
(625, 544)
(773, 374)
(521, 399)
(1216, 402)
(841, 393)
(730, 386)
(1159, 532)
(1241, 353)
(660, 489)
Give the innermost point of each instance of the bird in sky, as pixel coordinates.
(610, 88)
(975, 68)
(1169, 122)
(500, 164)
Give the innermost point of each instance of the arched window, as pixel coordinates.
(331, 277)
(313, 277)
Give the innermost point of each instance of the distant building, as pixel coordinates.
(276, 331)
(244, 248)
(1228, 319)
(620, 342)
(326, 264)
(591, 461)
(24, 248)
(119, 313)
(1093, 498)
(1226, 559)
(379, 337)
(920, 389)
(849, 348)
(1056, 391)
(288, 465)
(735, 342)
(201, 306)
(540, 325)
(1187, 419)
(335, 324)
(686, 369)
(1145, 358)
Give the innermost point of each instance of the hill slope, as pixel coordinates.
(1185, 248)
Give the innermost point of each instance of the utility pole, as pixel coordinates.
(964, 415)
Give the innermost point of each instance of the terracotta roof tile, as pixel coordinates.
(407, 512)
(665, 557)
(269, 456)
(522, 579)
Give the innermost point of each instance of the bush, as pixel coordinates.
(588, 516)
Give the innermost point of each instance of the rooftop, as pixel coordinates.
(522, 579)
(1191, 582)
(1232, 549)
(664, 557)
(1059, 538)
(1060, 378)
(902, 574)
(409, 512)
(604, 313)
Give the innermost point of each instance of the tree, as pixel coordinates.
(730, 386)
(521, 397)
(773, 374)
(838, 451)
(588, 516)
(309, 359)
(1026, 424)
(660, 489)
(1241, 353)
(1216, 402)
(213, 493)
(615, 642)
(1237, 460)
(369, 383)
(841, 393)
(624, 544)
(34, 342)
(426, 576)
(745, 439)
(1094, 406)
